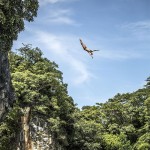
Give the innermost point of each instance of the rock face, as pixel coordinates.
(6, 92)
(34, 134)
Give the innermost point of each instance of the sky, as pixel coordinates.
(120, 29)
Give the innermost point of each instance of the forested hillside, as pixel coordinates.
(122, 123)
(13, 13)
(42, 109)
(45, 116)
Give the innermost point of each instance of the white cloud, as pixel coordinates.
(44, 2)
(60, 16)
(140, 25)
(63, 50)
(59, 12)
(140, 30)
(63, 20)
(120, 54)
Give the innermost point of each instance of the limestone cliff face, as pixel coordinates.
(6, 92)
(34, 134)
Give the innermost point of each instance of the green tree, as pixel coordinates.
(120, 123)
(88, 129)
(39, 86)
(13, 13)
(143, 142)
(148, 82)
(116, 142)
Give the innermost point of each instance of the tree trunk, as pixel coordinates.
(6, 92)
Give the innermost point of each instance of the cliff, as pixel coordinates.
(6, 91)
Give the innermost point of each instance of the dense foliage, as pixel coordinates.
(38, 85)
(121, 123)
(12, 16)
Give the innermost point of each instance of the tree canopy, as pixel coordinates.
(121, 123)
(39, 86)
(13, 13)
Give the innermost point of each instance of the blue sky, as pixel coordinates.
(120, 29)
